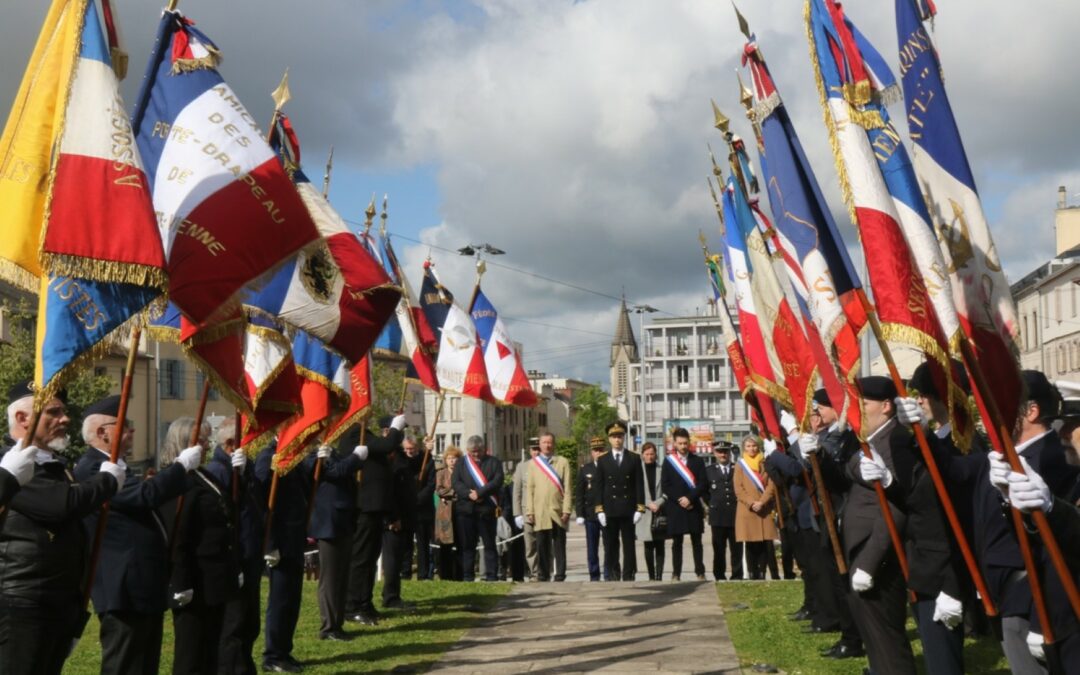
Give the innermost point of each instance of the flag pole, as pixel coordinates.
(281, 96)
(236, 446)
(193, 439)
(326, 176)
(434, 423)
(114, 455)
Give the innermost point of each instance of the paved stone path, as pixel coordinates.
(578, 626)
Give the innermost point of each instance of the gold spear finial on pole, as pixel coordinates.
(326, 176)
(369, 214)
(720, 120)
(281, 95)
(716, 202)
(746, 97)
(383, 216)
(715, 167)
(172, 5)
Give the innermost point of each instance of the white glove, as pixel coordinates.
(239, 459)
(637, 517)
(787, 421)
(398, 423)
(999, 472)
(770, 446)
(808, 444)
(580, 521)
(324, 451)
(190, 458)
(861, 581)
(183, 598)
(241, 580)
(19, 462)
(361, 452)
(948, 610)
(872, 469)
(116, 471)
(520, 522)
(1028, 491)
(272, 558)
(1035, 645)
(602, 517)
(909, 412)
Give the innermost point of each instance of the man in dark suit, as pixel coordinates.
(243, 612)
(44, 549)
(477, 479)
(585, 506)
(424, 475)
(333, 521)
(722, 504)
(130, 590)
(620, 501)
(398, 536)
(376, 510)
(684, 484)
(285, 558)
(879, 603)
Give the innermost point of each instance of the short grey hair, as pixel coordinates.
(226, 431)
(177, 438)
(91, 424)
(474, 443)
(22, 405)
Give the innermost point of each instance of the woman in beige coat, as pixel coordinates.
(754, 523)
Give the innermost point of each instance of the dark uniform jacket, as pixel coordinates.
(8, 487)
(334, 513)
(463, 482)
(288, 525)
(722, 499)
(376, 491)
(206, 553)
(425, 489)
(680, 520)
(405, 489)
(133, 570)
(253, 499)
(584, 497)
(44, 549)
(619, 488)
(786, 466)
(867, 542)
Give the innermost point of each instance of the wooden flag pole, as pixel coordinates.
(931, 464)
(434, 423)
(830, 515)
(1008, 448)
(114, 455)
(193, 440)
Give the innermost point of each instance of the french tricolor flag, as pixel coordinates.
(507, 377)
(460, 364)
(226, 209)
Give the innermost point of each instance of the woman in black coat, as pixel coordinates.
(205, 558)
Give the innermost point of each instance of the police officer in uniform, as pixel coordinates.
(585, 506)
(722, 504)
(620, 500)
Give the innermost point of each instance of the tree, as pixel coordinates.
(17, 365)
(592, 415)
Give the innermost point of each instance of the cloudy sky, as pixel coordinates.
(572, 134)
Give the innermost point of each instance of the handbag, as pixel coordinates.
(659, 523)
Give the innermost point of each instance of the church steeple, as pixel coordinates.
(624, 342)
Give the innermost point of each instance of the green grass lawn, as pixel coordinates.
(411, 641)
(763, 633)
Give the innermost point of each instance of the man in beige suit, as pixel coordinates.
(521, 474)
(548, 504)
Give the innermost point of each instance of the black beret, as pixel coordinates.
(384, 421)
(923, 382)
(616, 428)
(821, 397)
(877, 388)
(1070, 409)
(25, 388)
(1042, 392)
(110, 405)
(534, 442)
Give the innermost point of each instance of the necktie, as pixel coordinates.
(618, 459)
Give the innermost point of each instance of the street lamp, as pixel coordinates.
(641, 311)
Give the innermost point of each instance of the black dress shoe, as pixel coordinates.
(842, 651)
(335, 636)
(801, 615)
(275, 666)
(820, 629)
(364, 618)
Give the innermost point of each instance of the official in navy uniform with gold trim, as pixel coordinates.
(620, 501)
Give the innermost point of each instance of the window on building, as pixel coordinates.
(455, 440)
(1057, 304)
(713, 373)
(455, 409)
(1062, 363)
(440, 443)
(1072, 295)
(212, 395)
(712, 344)
(682, 375)
(682, 344)
(171, 379)
(621, 378)
(1034, 330)
(682, 407)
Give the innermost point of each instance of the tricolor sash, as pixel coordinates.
(545, 467)
(683, 471)
(478, 476)
(752, 475)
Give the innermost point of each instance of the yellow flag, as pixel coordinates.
(32, 132)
